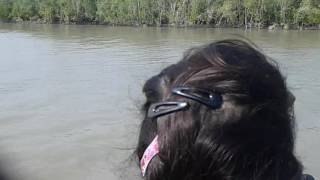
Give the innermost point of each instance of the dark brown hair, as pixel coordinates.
(251, 137)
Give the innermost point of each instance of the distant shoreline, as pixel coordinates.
(272, 27)
(251, 14)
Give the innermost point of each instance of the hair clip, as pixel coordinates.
(151, 151)
(163, 108)
(208, 98)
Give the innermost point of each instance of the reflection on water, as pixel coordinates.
(70, 95)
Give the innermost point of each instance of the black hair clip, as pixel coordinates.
(163, 108)
(208, 98)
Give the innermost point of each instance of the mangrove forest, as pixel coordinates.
(232, 13)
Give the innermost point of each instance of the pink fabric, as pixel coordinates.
(151, 151)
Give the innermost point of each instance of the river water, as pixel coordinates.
(70, 95)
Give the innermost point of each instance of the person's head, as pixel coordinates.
(247, 135)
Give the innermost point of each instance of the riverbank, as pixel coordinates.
(301, 14)
(248, 26)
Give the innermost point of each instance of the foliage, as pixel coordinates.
(157, 12)
(309, 12)
(5, 9)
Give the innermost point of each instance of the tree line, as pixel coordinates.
(257, 13)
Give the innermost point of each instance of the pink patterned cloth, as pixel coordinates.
(151, 151)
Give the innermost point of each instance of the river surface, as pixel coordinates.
(70, 95)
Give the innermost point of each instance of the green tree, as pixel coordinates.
(24, 9)
(5, 9)
(48, 10)
(309, 12)
(198, 11)
(89, 9)
(229, 12)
